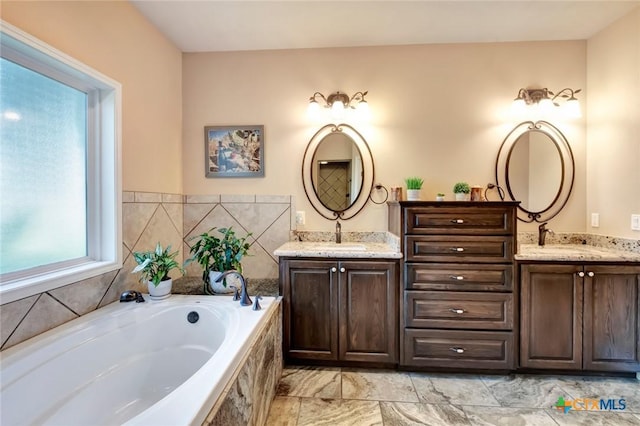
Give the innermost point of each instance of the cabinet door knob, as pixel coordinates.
(457, 277)
(457, 311)
(334, 269)
(581, 274)
(457, 221)
(591, 274)
(457, 350)
(458, 249)
(342, 270)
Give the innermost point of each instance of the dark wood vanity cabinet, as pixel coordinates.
(580, 317)
(458, 307)
(340, 310)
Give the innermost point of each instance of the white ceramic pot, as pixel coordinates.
(413, 194)
(218, 287)
(439, 197)
(461, 196)
(161, 291)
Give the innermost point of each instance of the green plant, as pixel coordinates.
(461, 188)
(413, 182)
(154, 266)
(218, 254)
(440, 194)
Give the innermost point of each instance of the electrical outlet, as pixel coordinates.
(635, 222)
(300, 218)
(595, 220)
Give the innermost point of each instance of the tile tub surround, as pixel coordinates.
(171, 219)
(247, 397)
(574, 253)
(334, 396)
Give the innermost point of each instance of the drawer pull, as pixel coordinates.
(457, 221)
(457, 277)
(457, 249)
(581, 274)
(334, 269)
(457, 350)
(342, 270)
(457, 311)
(591, 274)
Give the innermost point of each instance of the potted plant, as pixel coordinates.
(461, 190)
(414, 184)
(154, 267)
(440, 196)
(216, 255)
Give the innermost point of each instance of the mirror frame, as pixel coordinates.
(567, 162)
(368, 171)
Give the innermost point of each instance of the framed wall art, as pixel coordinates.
(234, 151)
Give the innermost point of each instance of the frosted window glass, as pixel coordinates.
(43, 169)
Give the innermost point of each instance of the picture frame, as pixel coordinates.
(234, 151)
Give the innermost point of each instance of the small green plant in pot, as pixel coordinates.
(218, 254)
(440, 196)
(414, 184)
(461, 190)
(154, 267)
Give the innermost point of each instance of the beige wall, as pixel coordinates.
(115, 39)
(438, 111)
(613, 155)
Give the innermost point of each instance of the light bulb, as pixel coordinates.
(572, 108)
(313, 110)
(337, 109)
(518, 107)
(363, 111)
(545, 106)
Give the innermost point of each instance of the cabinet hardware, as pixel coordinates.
(457, 277)
(457, 311)
(591, 274)
(457, 221)
(342, 270)
(458, 249)
(581, 274)
(457, 350)
(334, 269)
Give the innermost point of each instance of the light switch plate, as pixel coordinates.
(595, 220)
(635, 222)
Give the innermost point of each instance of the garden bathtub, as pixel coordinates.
(130, 363)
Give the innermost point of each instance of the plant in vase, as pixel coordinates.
(154, 267)
(440, 196)
(217, 255)
(461, 191)
(414, 184)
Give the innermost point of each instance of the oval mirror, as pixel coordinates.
(535, 166)
(337, 171)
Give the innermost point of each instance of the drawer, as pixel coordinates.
(450, 276)
(461, 310)
(459, 221)
(443, 248)
(459, 349)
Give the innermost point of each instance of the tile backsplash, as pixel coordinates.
(149, 218)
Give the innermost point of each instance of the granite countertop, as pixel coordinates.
(574, 252)
(255, 286)
(359, 250)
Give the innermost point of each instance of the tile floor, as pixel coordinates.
(341, 396)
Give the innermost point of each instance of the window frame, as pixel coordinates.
(104, 170)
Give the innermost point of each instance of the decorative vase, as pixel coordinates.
(218, 287)
(160, 291)
(413, 194)
(461, 196)
(439, 197)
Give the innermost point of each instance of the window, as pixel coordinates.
(59, 169)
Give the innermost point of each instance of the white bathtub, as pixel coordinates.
(129, 363)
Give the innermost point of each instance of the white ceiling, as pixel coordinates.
(212, 25)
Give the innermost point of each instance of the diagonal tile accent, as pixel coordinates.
(46, 314)
(83, 297)
(176, 214)
(160, 229)
(193, 215)
(256, 217)
(135, 217)
(259, 264)
(124, 280)
(11, 314)
(218, 218)
(276, 235)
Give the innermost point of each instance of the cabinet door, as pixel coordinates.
(310, 300)
(551, 317)
(611, 323)
(368, 311)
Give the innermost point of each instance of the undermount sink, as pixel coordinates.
(340, 247)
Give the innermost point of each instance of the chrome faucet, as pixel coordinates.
(338, 232)
(245, 300)
(542, 233)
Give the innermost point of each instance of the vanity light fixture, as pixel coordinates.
(338, 103)
(545, 99)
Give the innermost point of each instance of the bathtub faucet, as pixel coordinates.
(245, 300)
